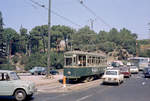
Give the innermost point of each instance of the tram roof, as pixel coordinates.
(85, 53)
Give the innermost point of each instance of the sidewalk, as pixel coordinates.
(40, 80)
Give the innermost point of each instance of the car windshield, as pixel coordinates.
(14, 76)
(111, 72)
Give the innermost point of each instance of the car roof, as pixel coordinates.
(6, 71)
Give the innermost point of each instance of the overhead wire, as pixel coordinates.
(92, 12)
(55, 13)
(31, 4)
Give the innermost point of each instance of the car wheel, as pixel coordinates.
(118, 82)
(20, 95)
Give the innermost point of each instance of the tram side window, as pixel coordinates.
(89, 61)
(82, 60)
(68, 61)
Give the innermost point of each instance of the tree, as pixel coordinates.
(103, 36)
(61, 33)
(1, 22)
(39, 36)
(84, 39)
(3, 60)
(107, 46)
(11, 37)
(23, 40)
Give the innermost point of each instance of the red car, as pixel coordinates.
(125, 71)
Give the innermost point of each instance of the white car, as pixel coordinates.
(134, 69)
(109, 67)
(113, 76)
(11, 85)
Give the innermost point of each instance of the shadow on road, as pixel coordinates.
(70, 82)
(8, 98)
(109, 84)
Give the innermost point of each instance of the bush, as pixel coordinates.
(7, 67)
(15, 59)
(40, 59)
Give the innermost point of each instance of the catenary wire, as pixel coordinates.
(91, 11)
(55, 13)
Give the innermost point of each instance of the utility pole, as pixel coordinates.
(91, 22)
(49, 36)
(137, 51)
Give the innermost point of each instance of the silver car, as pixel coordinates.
(11, 85)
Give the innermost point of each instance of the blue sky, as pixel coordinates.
(131, 14)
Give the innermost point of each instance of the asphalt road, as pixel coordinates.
(135, 88)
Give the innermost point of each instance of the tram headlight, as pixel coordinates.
(69, 73)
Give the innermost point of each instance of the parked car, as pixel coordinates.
(113, 76)
(125, 71)
(11, 85)
(134, 69)
(52, 72)
(146, 72)
(37, 70)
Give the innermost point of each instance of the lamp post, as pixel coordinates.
(49, 36)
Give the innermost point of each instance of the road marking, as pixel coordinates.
(143, 83)
(83, 98)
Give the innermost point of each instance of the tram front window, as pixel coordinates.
(68, 61)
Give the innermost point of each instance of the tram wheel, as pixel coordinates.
(86, 79)
(91, 78)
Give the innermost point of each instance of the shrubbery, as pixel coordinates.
(40, 59)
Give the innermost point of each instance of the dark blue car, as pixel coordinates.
(146, 72)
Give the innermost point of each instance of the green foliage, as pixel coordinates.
(145, 53)
(23, 40)
(84, 39)
(7, 67)
(36, 59)
(107, 46)
(144, 42)
(40, 59)
(15, 59)
(11, 37)
(3, 59)
(1, 22)
(57, 60)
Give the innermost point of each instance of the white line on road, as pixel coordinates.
(83, 98)
(143, 83)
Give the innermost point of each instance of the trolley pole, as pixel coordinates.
(49, 36)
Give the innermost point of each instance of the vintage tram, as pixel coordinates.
(85, 66)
